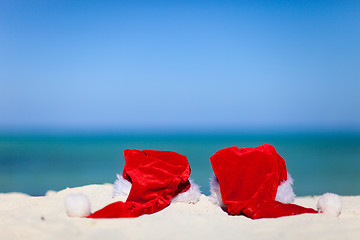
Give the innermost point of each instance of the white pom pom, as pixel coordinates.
(190, 196)
(285, 193)
(77, 205)
(329, 204)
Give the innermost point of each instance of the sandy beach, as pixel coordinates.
(26, 217)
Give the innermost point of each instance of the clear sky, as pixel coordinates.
(180, 65)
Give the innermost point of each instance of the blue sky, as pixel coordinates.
(180, 65)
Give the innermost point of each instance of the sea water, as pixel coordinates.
(34, 164)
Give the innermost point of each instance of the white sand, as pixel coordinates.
(25, 217)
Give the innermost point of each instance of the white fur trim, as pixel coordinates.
(215, 196)
(330, 204)
(77, 205)
(190, 196)
(122, 187)
(285, 192)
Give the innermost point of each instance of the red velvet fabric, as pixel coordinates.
(156, 177)
(248, 180)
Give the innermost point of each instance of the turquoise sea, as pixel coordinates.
(33, 164)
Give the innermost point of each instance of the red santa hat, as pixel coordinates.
(249, 179)
(155, 177)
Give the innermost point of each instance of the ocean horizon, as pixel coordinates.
(34, 163)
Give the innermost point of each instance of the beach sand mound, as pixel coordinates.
(26, 217)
